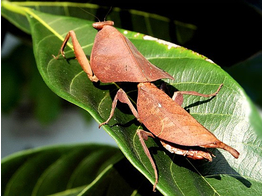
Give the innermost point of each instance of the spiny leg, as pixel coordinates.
(122, 97)
(79, 53)
(178, 96)
(143, 135)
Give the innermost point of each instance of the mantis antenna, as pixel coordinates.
(90, 14)
(95, 15)
(108, 13)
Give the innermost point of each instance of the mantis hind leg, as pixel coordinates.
(178, 96)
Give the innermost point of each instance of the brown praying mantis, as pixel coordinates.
(115, 59)
(170, 123)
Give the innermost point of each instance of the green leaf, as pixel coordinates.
(65, 170)
(135, 20)
(71, 170)
(230, 116)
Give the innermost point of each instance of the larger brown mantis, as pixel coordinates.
(115, 59)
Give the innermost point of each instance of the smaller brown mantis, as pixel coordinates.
(170, 123)
(115, 59)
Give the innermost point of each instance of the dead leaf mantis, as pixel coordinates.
(115, 59)
(170, 123)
